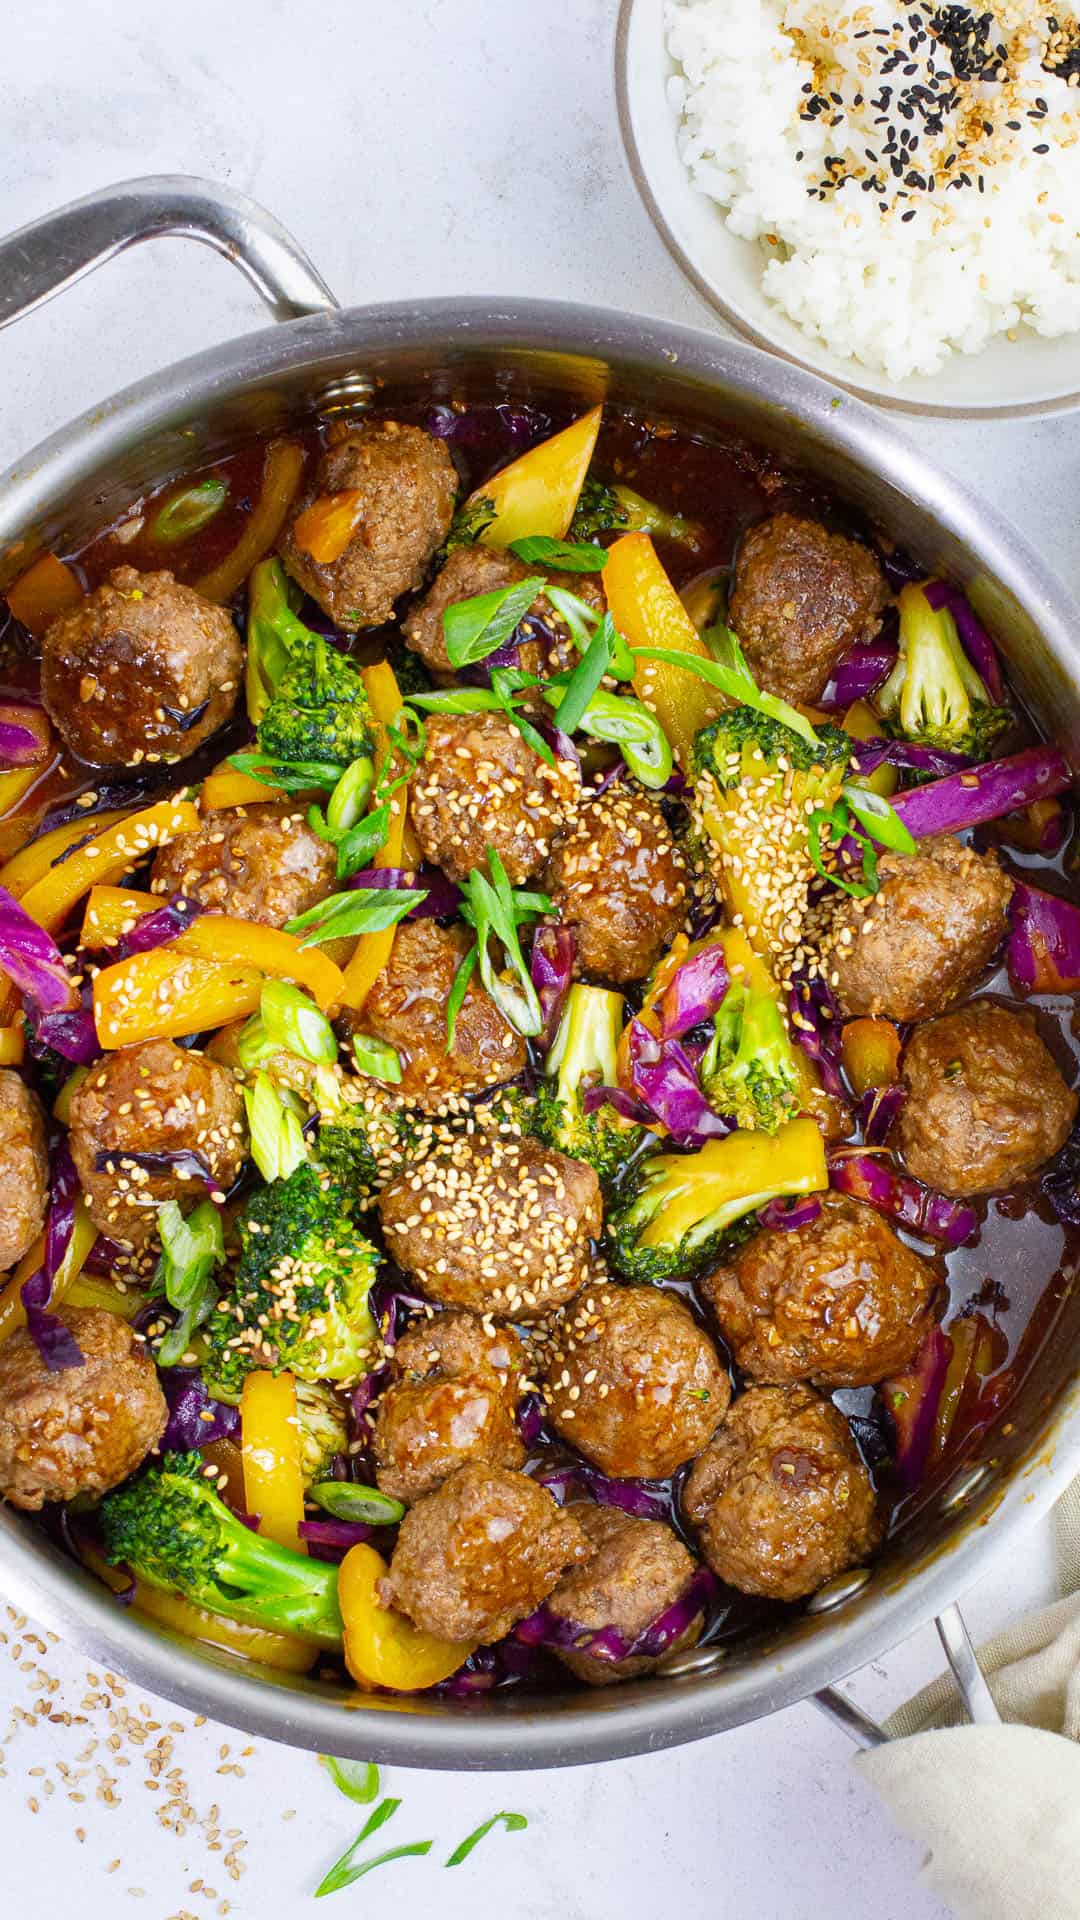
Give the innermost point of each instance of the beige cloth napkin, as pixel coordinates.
(998, 1808)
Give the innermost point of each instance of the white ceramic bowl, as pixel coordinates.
(1026, 375)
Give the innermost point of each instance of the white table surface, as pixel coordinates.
(422, 147)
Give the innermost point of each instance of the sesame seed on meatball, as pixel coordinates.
(481, 786)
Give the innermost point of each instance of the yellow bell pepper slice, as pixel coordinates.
(12, 1045)
(862, 723)
(34, 861)
(281, 477)
(382, 1648)
(538, 492)
(270, 1448)
(91, 1290)
(106, 859)
(170, 1610)
(83, 1235)
(225, 941)
(743, 1171)
(113, 911)
(372, 951)
(166, 994)
(46, 589)
(870, 1052)
(648, 613)
(225, 787)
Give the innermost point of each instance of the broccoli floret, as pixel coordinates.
(583, 1056)
(755, 783)
(472, 519)
(366, 1136)
(171, 1529)
(680, 1207)
(408, 669)
(934, 691)
(300, 1295)
(319, 712)
(602, 509)
(749, 1069)
(323, 1430)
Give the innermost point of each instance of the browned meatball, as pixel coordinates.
(986, 1104)
(619, 882)
(801, 596)
(407, 1008)
(841, 1301)
(637, 1570)
(632, 1381)
(474, 570)
(453, 1399)
(142, 669)
(497, 1225)
(259, 863)
(781, 1500)
(24, 1168)
(479, 1554)
(401, 484)
(81, 1430)
(153, 1098)
(926, 938)
(480, 785)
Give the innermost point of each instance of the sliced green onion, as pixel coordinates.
(882, 822)
(627, 723)
(377, 1059)
(458, 989)
(293, 776)
(356, 846)
(348, 1868)
(492, 907)
(277, 1140)
(571, 700)
(457, 700)
(349, 1502)
(736, 681)
(350, 796)
(475, 627)
(188, 512)
(567, 556)
(513, 1822)
(291, 1019)
(254, 1047)
(344, 916)
(582, 620)
(357, 1779)
(191, 1249)
(839, 823)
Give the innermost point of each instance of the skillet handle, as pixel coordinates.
(43, 258)
(975, 1695)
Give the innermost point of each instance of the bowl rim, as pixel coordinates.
(655, 1713)
(734, 317)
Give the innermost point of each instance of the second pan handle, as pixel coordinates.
(46, 256)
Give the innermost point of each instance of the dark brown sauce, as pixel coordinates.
(1024, 1264)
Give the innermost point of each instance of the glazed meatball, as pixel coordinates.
(83, 1429)
(637, 1570)
(926, 938)
(619, 882)
(496, 1225)
(986, 1104)
(259, 863)
(150, 1099)
(453, 1398)
(781, 1500)
(841, 1301)
(480, 785)
(143, 669)
(801, 596)
(632, 1382)
(475, 570)
(397, 483)
(24, 1168)
(407, 1008)
(475, 1557)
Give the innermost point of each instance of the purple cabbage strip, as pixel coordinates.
(665, 1076)
(551, 969)
(366, 1392)
(505, 1665)
(912, 1400)
(1043, 953)
(694, 992)
(19, 746)
(443, 897)
(1060, 1183)
(635, 1497)
(816, 1027)
(337, 1536)
(878, 1108)
(974, 638)
(623, 1103)
(609, 778)
(935, 1215)
(57, 1347)
(32, 960)
(181, 1162)
(786, 1216)
(189, 1401)
(855, 676)
(984, 793)
(530, 1419)
(908, 756)
(899, 568)
(545, 1628)
(392, 1304)
(157, 928)
(72, 1034)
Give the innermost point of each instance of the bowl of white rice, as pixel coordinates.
(887, 192)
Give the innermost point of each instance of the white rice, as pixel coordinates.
(896, 293)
